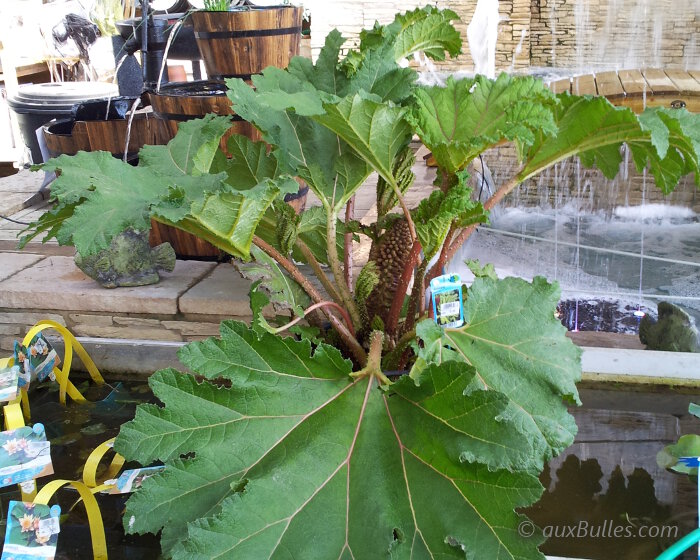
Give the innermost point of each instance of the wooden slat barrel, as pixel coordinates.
(182, 101)
(67, 136)
(242, 42)
(176, 103)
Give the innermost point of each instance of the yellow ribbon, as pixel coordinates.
(93, 462)
(70, 343)
(14, 419)
(97, 531)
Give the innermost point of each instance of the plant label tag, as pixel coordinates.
(25, 454)
(131, 480)
(9, 383)
(446, 295)
(31, 531)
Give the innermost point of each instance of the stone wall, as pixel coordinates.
(581, 35)
(586, 35)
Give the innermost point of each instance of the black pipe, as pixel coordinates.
(146, 21)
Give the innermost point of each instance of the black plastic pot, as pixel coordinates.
(37, 104)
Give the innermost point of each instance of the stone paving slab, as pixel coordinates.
(12, 263)
(223, 292)
(55, 283)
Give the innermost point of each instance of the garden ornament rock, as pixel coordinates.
(673, 332)
(128, 261)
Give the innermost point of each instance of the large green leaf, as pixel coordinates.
(518, 348)
(192, 150)
(459, 121)
(104, 196)
(426, 29)
(591, 127)
(325, 74)
(296, 456)
(279, 107)
(229, 220)
(435, 214)
(282, 291)
(376, 131)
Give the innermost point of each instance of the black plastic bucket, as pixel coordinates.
(37, 104)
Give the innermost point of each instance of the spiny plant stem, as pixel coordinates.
(393, 358)
(334, 263)
(353, 345)
(374, 360)
(349, 215)
(318, 305)
(452, 245)
(417, 301)
(318, 271)
(488, 205)
(406, 211)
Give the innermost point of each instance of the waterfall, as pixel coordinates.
(482, 34)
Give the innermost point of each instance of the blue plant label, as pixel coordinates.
(9, 383)
(131, 480)
(446, 295)
(25, 454)
(31, 532)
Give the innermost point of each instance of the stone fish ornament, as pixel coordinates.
(129, 261)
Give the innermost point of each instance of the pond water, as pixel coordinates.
(607, 263)
(609, 477)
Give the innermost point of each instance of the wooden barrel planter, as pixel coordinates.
(244, 41)
(67, 136)
(176, 103)
(88, 130)
(182, 101)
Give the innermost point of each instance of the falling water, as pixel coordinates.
(553, 27)
(482, 34)
(171, 36)
(518, 50)
(618, 34)
(132, 111)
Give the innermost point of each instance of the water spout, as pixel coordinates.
(134, 105)
(482, 34)
(171, 36)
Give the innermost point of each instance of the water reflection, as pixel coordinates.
(605, 497)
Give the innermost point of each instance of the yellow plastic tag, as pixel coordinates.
(97, 531)
(93, 462)
(70, 343)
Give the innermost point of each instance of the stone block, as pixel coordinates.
(102, 320)
(223, 292)
(132, 333)
(12, 263)
(55, 283)
(188, 329)
(136, 322)
(29, 318)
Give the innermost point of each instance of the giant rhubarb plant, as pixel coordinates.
(302, 447)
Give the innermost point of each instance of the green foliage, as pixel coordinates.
(686, 446)
(518, 347)
(665, 140)
(338, 441)
(271, 285)
(435, 214)
(461, 120)
(289, 449)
